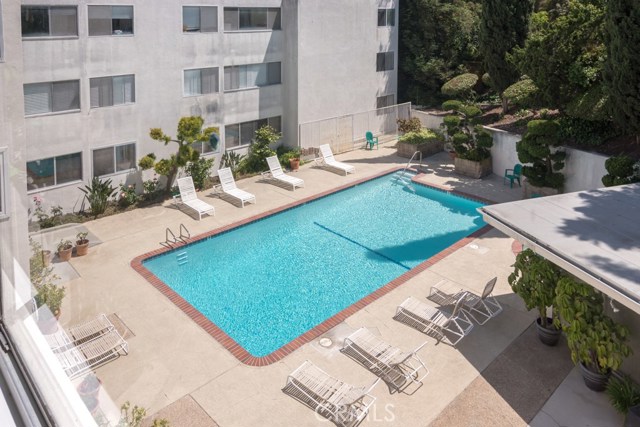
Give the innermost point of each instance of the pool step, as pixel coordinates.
(182, 258)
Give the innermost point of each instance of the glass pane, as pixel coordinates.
(232, 135)
(229, 78)
(68, 168)
(274, 19)
(388, 61)
(37, 98)
(209, 19)
(380, 62)
(253, 18)
(382, 17)
(123, 90)
(391, 17)
(231, 18)
(190, 19)
(256, 75)
(35, 21)
(66, 96)
(63, 21)
(122, 20)
(273, 73)
(242, 76)
(209, 78)
(103, 161)
(192, 82)
(99, 20)
(125, 157)
(100, 92)
(247, 132)
(40, 174)
(276, 123)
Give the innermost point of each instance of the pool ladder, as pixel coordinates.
(182, 258)
(402, 177)
(171, 239)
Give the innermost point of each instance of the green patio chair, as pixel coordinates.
(371, 140)
(513, 175)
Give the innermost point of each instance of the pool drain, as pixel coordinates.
(325, 342)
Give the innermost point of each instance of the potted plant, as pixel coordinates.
(82, 243)
(624, 396)
(64, 250)
(534, 279)
(289, 157)
(597, 343)
(90, 386)
(47, 293)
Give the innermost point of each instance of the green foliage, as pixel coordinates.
(623, 393)
(232, 160)
(534, 279)
(591, 105)
(409, 125)
(622, 66)
(199, 171)
(44, 219)
(437, 41)
(81, 237)
(423, 136)
(523, 93)
(147, 161)
(622, 170)
(594, 338)
(539, 148)
(189, 131)
(260, 150)
(285, 154)
(43, 279)
(469, 142)
(461, 86)
(451, 104)
(470, 112)
(585, 132)
(128, 195)
(132, 417)
(503, 25)
(486, 80)
(150, 189)
(98, 194)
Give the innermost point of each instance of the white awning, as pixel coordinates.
(594, 235)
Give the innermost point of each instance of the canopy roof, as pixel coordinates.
(594, 235)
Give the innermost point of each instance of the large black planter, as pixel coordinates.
(594, 380)
(548, 337)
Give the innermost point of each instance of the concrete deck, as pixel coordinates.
(176, 368)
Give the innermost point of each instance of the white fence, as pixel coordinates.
(346, 133)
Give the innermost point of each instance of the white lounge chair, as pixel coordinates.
(326, 158)
(395, 367)
(77, 334)
(481, 308)
(228, 185)
(189, 198)
(276, 173)
(79, 359)
(436, 320)
(336, 400)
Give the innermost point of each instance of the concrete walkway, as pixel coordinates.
(177, 370)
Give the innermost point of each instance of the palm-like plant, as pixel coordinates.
(97, 195)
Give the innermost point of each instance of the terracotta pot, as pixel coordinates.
(82, 248)
(294, 164)
(65, 254)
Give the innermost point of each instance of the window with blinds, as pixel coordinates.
(251, 18)
(51, 97)
(240, 134)
(201, 81)
(110, 20)
(113, 90)
(54, 171)
(252, 75)
(49, 21)
(110, 160)
(199, 19)
(384, 61)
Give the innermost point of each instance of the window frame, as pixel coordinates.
(113, 104)
(52, 112)
(384, 62)
(133, 21)
(4, 187)
(387, 12)
(276, 10)
(49, 37)
(184, 71)
(245, 68)
(199, 31)
(115, 159)
(55, 173)
(254, 122)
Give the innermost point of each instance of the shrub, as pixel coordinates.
(147, 161)
(232, 160)
(423, 136)
(592, 105)
(468, 141)
(285, 154)
(150, 188)
(98, 194)
(127, 195)
(621, 170)
(409, 125)
(486, 80)
(199, 171)
(259, 151)
(623, 394)
(470, 111)
(524, 93)
(586, 132)
(461, 86)
(452, 104)
(44, 219)
(539, 147)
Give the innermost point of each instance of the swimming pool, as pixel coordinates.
(268, 282)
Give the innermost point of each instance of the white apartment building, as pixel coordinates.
(83, 82)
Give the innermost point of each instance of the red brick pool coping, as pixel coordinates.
(230, 344)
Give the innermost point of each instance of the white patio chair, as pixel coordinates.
(481, 308)
(395, 367)
(436, 320)
(77, 334)
(344, 404)
(228, 185)
(80, 359)
(276, 173)
(189, 198)
(326, 158)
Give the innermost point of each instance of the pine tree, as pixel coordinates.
(622, 68)
(503, 25)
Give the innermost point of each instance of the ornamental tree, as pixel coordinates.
(539, 148)
(190, 131)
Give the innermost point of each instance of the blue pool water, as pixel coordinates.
(268, 282)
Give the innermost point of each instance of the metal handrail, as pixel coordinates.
(186, 236)
(409, 163)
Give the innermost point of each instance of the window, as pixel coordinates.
(200, 81)
(54, 171)
(49, 21)
(116, 90)
(110, 160)
(240, 134)
(210, 146)
(110, 20)
(203, 19)
(4, 209)
(252, 75)
(385, 101)
(51, 97)
(384, 61)
(251, 18)
(386, 17)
